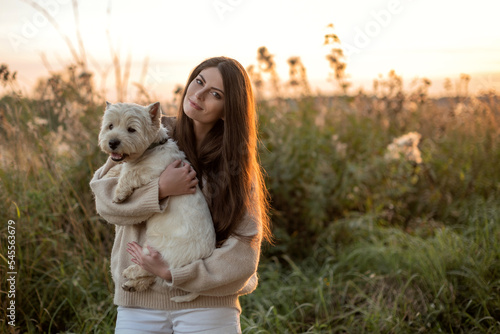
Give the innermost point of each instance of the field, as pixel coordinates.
(386, 208)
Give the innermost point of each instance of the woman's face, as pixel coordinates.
(204, 100)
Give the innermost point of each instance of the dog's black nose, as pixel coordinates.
(113, 143)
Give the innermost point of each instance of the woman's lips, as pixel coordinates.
(194, 105)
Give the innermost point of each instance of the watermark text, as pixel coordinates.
(11, 273)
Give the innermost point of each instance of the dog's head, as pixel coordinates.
(128, 129)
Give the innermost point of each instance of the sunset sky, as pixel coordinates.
(416, 38)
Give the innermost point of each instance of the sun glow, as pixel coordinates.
(415, 38)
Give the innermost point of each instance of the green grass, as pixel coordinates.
(364, 245)
(383, 280)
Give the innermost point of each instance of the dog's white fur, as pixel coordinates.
(184, 232)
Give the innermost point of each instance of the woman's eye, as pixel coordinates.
(199, 82)
(217, 95)
(110, 127)
(131, 130)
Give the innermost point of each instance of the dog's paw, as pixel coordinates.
(119, 199)
(134, 272)
(128, 272)
(127, 286)
(121, 195)
(138, 285)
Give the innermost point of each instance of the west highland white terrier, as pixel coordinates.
(184, 232)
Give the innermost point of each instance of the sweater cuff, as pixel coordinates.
(150, 200)
(105, 168)
(179, 276)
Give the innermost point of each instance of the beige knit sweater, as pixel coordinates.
(231, 270)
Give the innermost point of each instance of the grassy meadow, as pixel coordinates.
(386, 207)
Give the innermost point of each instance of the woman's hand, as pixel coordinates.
(151, 262)
(177, 179)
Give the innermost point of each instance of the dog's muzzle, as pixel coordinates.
(114, 143)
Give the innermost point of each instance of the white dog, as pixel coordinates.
(184, 232)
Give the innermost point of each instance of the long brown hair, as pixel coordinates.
(228, 157)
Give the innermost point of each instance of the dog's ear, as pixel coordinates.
(107, 104)
(155, 111)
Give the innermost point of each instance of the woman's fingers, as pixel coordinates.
(152, 251)
(175, 164)
(178, 178)
(149, 260)
(135, 250)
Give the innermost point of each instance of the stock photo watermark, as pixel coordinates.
(155, 77)
(380, 19)
(11, 273)
(29, 27)
(222, 7)
(489, 83)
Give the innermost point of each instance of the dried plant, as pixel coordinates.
(267, 67)
(298, 77)
(389, 93)
(405, 147)
(336, 60)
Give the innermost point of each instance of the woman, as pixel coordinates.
(216, 128)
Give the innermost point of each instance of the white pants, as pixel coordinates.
(202, 320)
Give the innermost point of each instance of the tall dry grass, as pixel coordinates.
(48, 153)
(365, 244)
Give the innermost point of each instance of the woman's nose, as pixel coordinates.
(200, 94)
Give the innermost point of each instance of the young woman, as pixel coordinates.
(216, 128)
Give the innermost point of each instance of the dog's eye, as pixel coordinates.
(110, 126)
(131, 130)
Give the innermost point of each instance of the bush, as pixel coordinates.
(325, 164)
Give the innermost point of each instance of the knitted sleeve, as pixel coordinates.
(231, 269)
(141, 205)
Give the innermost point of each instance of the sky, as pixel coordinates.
(416, 38)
